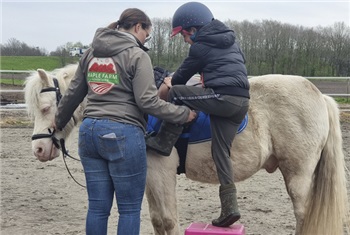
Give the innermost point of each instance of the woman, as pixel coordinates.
(116, 77)
(224, 94)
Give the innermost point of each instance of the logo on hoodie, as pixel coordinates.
(102, 75)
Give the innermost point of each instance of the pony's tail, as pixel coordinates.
(327, 203)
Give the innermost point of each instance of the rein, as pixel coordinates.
(59, 143)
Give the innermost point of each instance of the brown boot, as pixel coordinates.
(166, 138)
(229, 207)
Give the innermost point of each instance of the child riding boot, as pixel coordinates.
(166, 138)
(229, 208)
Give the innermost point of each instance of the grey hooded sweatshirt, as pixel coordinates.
(116, 77)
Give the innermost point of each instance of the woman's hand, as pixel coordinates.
(191, 116)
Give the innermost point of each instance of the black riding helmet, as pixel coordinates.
(191, 14)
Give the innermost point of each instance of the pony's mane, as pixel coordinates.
(34, 85)
(68, 70)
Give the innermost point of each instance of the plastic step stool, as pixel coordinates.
(208, 229)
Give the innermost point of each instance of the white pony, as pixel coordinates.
(292, 126)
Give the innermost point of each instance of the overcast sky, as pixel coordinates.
(49, 24)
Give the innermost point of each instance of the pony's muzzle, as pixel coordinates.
(44, 151)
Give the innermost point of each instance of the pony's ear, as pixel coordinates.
(65, 76)
(44, 77)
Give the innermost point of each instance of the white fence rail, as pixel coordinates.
(16, 71)
(344, 94)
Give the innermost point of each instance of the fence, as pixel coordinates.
(332, 86)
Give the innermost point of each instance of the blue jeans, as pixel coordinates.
(113, 156)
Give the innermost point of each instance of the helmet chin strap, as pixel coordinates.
(193, 36)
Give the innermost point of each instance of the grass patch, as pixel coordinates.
(13, 123)
(30, 63)
(344, 100)
(15, 82)
(35, 62)
(15, 118)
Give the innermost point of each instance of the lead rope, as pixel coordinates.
(66, 154)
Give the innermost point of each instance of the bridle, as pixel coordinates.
(59, 143)
(50, 135)
(56, 89)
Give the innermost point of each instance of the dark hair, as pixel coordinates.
(130, 17)
(196, 27)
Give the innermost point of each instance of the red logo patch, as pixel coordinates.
(102, 75)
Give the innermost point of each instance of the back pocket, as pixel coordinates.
(111, 147)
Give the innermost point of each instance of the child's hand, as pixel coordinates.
(167, 82)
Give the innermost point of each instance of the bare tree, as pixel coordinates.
(14, 47)
(338, 41)
(165, 51)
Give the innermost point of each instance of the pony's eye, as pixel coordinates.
(45, 110)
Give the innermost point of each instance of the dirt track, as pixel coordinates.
(41, 199)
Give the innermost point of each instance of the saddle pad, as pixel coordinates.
(198, 132)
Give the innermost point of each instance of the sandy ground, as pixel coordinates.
(41, 198)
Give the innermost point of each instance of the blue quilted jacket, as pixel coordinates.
(218, 58)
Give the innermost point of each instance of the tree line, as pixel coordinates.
(269, 47)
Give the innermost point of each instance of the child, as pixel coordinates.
(224, 94)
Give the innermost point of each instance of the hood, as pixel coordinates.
(216, 34)
(108, 42)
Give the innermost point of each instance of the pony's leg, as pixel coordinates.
(298, 179)
(161, 192)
